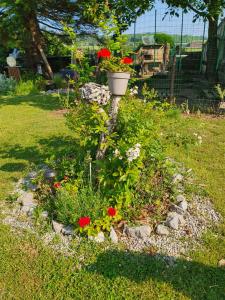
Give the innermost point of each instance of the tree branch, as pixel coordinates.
(50, 26)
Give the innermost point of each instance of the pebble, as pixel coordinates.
(162, 230)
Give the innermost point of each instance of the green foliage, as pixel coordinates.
(220, 91)
(7, 85)
(59, 81)
(114, 64)
(163, 38)
(26, 88)
(70, 204)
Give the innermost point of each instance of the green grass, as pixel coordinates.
(30, 130)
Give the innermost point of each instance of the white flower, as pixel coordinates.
(116, 153)
(134, 91)
(133, 153)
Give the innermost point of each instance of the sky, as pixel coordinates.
(170, 25)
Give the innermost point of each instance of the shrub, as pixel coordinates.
(7, 85)
(26, 88)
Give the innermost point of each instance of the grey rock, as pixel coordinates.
(68, 230)
(142, 232)
(183, 205)
(177, 178)
(176, 208)
(57, 226)
(162, 230)
(113, 236)
(174, 220)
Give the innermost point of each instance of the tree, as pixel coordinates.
(24, 21)
(209, 10)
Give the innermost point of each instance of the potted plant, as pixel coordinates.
(118, 71)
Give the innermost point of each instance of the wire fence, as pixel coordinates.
(177, 73)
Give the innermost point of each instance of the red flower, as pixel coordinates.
(84, 221)
(127, 60)
(104, 52)
(111, 211)
(57, 185)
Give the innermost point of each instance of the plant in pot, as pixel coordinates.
(118, 71)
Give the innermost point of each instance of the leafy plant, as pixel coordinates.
(7, 85)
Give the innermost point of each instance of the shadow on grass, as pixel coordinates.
(192, 279)
(44, 149)
(45, 102)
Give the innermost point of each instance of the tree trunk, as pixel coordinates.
(37, 39)
(212, 50)
(102, 147)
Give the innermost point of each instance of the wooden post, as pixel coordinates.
(14, 72)
(172, 83)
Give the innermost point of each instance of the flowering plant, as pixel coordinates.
(111, 63)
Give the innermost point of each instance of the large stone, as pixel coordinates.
(143, 231)
(113, 236)
(57, 226)
(162, 230)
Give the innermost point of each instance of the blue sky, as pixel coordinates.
(170, 25)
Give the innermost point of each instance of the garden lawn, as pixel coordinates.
(30, 130)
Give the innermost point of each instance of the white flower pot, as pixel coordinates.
(118, 82)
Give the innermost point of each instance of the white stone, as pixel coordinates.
(142, 232)
(113, 236)
(99, 238)
(162, 230)
(57, 226)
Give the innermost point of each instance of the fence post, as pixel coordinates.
(155, 34)
(203, 41)
(181, 39)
